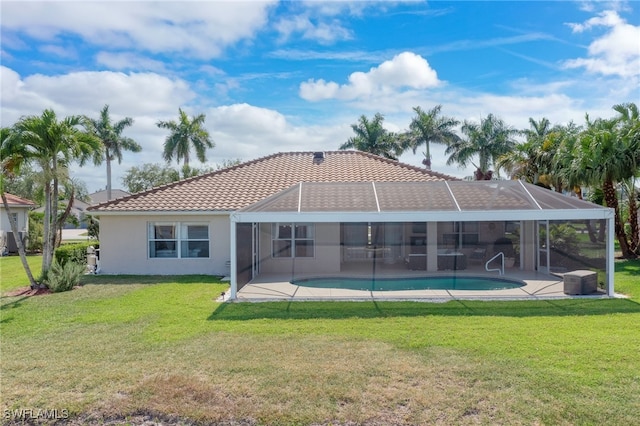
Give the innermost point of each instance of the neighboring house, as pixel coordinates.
(100, 197)
(79, 207)
(20, 210)
(305, 213)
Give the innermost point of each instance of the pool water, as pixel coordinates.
(410, 283)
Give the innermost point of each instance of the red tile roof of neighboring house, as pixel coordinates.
(14, 200)
(239, 186)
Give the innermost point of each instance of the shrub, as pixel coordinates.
(93, 228)
(563, 238)
(64, 277)
(74, 252)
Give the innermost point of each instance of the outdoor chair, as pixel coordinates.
(478, 255)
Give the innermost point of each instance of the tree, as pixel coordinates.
(488, 140)
(25, 182)
(184, 134)
(110, 134)
(524, 161)
(629, 129)
(148, 176)
(605, 157)
(371, 137)
(430, 126)
(12, 157)
(53, 145)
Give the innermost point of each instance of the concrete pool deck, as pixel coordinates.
(273, 287)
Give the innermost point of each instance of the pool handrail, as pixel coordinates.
(499, 270)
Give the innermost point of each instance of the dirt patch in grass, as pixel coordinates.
(26, 292)
(310, 380)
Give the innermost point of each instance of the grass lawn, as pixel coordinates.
(124, 346)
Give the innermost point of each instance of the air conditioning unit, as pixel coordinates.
(12, 246)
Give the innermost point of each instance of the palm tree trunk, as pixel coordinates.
(54, 216)
(590, 231)
(21, 250)
(47, 227)
(633, 219)
(602, 230)
(108, 176)
(427, 155)
(611, 199)
(63, 218)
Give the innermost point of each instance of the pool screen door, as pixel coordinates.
(543, 246)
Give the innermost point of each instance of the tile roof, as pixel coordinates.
(14, 200)
(242, 185)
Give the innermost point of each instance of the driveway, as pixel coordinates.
(74, 234)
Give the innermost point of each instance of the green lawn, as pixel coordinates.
(123, 346)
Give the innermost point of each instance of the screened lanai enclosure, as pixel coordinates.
(401, 230)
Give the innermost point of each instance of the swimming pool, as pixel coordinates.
(411, 283)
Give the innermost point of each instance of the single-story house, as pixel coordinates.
(306, 213)
(99, 197)
(79, 207)
(20, 210)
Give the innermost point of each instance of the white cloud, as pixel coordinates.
(246, 131)
(200, 29)
(59, 51)
(405, 71)
(128, 61)
(146, 97)
(616, 52)
(82, 92)
(322, 32)
(321, 21)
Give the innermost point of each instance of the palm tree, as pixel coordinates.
(371, 137)
(53, 145)
(488, 140)
(607, 159)
(12, 157)
(429, 127)
(110, 134)
(527, 160)
(629, 125)
(183, 135)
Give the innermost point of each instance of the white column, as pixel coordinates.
(610, 257)
(234, 260)
(432, 245)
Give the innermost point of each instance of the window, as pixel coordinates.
(184, 240)
(459, 234)
(194, 240)
(292, 240)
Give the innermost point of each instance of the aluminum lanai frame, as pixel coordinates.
(463, 201)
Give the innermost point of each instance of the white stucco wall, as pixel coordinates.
(124, 246)
(23, 218)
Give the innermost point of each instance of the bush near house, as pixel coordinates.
(63, 277)
(74, 252)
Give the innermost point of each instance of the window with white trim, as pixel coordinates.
(178, 240)
(293, 240)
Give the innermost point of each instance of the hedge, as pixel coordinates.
(75, 252)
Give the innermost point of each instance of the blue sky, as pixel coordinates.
(293, 76)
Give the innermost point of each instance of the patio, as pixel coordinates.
(272, 287)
